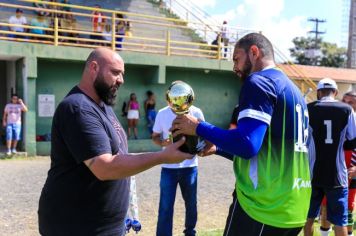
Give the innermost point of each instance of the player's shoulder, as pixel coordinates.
(342, 105)
(312, 104)
(77, 101)
(264, 80)
(335, 105)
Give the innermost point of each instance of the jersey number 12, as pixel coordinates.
(302, 129)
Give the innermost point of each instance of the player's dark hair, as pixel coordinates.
(14, 95)
(259, 41)
(326, 92)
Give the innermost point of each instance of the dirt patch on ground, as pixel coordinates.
(21, 182)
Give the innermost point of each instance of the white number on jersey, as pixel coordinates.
(328, 124)
(302, 134)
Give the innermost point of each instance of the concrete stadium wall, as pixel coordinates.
(44, 69)
(212, 90)
(3, 97)
(3, 89)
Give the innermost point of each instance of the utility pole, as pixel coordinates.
(317, 33)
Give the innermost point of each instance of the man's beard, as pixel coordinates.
(246, 70)
(105, 92)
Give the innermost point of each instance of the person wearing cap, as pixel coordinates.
(350, 159)
(331, 123)
(19, 20)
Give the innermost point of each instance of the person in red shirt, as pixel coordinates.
(98, 22)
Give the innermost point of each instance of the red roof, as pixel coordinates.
(317, 73)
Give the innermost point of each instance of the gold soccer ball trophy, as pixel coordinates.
(180, 97)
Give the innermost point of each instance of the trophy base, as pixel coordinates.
(190, 145)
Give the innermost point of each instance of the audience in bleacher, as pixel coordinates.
(53, 8)
(107, 34)
(19, 20)
(120, 30)
(128, 32)
(68, 22)
(45, 17)
(98, 22)
(40, 7)
(66, 8)
(39, 21)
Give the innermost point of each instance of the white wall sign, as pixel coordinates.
(46, 105)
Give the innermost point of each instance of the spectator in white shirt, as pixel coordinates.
(19, 20)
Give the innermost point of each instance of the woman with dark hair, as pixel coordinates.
(150, 111)
(133, 114)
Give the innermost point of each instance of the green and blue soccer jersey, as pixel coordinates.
(274, 187)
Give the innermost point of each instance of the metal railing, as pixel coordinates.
(75, 28)
(81, 33)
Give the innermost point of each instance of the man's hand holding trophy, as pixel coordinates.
(180, 97)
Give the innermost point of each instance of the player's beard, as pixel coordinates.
(105, 92)
(246, 70)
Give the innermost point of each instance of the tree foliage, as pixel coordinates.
(307, 52)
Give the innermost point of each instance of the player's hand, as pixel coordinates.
(352, 172)
(172, 154)
(184, 124)
(208, 150)
(166, 142)
(20, 101)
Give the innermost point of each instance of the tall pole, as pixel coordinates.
(317, 33)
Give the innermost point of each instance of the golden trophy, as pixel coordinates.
(180, 97)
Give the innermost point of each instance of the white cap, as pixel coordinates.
(327, 84)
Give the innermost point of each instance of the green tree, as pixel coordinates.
(333, 56)
(307, 52)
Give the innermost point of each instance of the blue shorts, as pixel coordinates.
(13, 132)
(336, 204)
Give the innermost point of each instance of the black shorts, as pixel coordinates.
(238, 223)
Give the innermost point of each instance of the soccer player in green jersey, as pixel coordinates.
(268, 147)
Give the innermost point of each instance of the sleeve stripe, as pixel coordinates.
(258, 115)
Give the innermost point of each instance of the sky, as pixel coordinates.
(282, 20)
